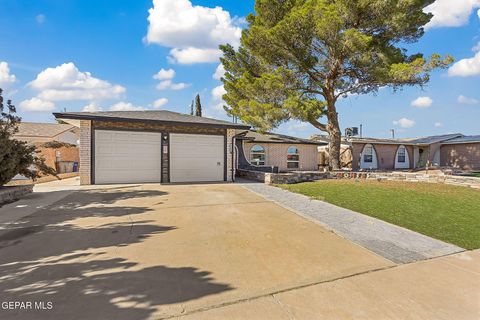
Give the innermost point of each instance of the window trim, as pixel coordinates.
(263, 152)
(404, 150)
(297, 153)
(370, 155)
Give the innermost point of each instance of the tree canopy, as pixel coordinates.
(298, 57)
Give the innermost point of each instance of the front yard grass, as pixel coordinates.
(444, 212)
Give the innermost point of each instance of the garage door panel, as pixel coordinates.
(127, 157)
(196, 158)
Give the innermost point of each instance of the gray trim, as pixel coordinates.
(225, 156)
(59, 115)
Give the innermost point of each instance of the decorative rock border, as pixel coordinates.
(305, 176)
(471, 182)
(10, 194)
(283, 178)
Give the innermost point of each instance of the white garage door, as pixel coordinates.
(196, 158)
(127, 157)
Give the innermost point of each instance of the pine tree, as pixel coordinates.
(191, 109)
(198, 106)
(297, 58)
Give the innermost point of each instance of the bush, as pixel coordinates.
(17, 157)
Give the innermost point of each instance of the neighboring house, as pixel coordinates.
(35, 133)
(57, 143)
(153, 146)
(451, 150)
(276, 152)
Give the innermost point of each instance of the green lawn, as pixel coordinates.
(445, 212)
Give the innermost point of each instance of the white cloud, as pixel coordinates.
(296, 126)
(40, 18)
(422, 102)
(218, 92)
(168, 84)
(164, 74)
(404, 123)
(467, 100)
(160, 103)
(166, 80)
(438, 124)
(478, 13)
(36, 104)
(193, 32)
(219, 72)
(451, 13)
(5, 76)
(92, 107)
(466, 67)
(194, 55)
(476, 48)
(124, 106)
(66, 83)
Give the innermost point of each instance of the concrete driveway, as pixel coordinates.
(150, 251)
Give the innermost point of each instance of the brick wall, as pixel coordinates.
(465, 156)
(66, 154)
(276, 155)
(85, 151)
(385, 155)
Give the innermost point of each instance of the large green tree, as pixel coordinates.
(17, 157)
(297, 58)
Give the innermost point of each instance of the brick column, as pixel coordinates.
(85, 152)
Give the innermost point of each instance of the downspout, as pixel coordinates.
(234, 152)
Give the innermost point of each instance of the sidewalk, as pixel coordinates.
(442, 288)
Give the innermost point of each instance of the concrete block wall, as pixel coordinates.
(85, 152)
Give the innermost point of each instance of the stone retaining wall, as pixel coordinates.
(10, 194)
(411, 177)
(282, 178)
(304, 176)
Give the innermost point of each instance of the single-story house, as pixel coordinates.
(153, 146)
(276, 152)
(450, 150)
(57, 143)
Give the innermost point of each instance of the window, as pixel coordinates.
(368, 154)
(401, 157)
(293, 158)
(257, 155)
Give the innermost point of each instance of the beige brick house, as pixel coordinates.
(153, 147)
(276, 152)
(451, 150)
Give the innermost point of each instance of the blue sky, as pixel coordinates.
(57, 54)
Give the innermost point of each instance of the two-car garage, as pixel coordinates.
(153, 147)
(136, 157)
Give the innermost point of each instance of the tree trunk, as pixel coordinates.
(335, 136)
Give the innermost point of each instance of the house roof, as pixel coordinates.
(269, 137)
(409, 141)
(464, 139)
(44, 130)
(155, 116)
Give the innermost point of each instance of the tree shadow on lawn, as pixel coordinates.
(45, 258)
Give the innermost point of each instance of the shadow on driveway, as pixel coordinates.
(47, 257)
